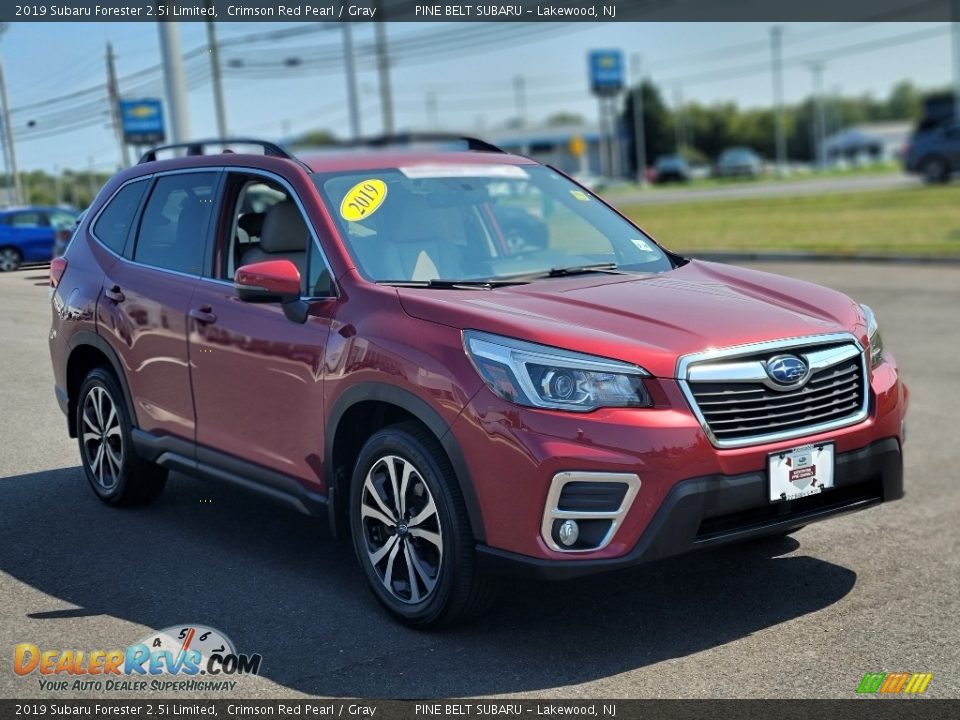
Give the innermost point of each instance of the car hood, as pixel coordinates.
(648, 320)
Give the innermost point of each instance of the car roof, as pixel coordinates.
(324, 161)
(341, 160)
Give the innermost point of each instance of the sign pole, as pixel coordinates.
(606, 82)
(639, 130)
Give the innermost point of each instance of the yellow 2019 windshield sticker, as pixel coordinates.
(580, 195)
(363, 199)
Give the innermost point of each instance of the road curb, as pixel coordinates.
(727, 257)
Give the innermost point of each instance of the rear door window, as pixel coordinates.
(113, 225)
(173, 230)
(28, 219)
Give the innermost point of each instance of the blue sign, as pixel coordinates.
(142, 121)
(606, 72)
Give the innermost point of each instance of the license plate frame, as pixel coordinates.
(800, 472)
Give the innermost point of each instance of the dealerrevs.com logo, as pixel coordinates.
(186, 657)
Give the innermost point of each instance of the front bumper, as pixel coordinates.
(718, 509)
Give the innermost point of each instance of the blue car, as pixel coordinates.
(28, 234)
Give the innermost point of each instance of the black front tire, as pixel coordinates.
(935, 170)
(115, 472)
(427, 583)
(10, 259)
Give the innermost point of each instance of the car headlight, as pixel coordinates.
(542, 376)
(873, 334)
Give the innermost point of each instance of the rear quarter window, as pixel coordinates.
(113, 225)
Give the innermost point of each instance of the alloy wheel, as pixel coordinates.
(935, 170)
(401, 528)
(102, 437)
(9, 260)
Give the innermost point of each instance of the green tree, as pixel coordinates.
(562, 119)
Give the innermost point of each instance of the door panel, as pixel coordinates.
(142, 313)
(257, 380)
(144, 303)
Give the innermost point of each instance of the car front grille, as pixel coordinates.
(742, 408)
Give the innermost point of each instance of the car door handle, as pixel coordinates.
(114, 293)
(203, 314)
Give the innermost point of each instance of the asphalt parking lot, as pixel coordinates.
(805, 616)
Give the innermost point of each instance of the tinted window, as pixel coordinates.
(173, 229)
(114, 222)
(29, 219)
(62, 220)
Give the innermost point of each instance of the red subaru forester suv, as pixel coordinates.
(461, 358)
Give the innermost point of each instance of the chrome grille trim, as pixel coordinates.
(845, 389)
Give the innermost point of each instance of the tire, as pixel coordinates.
(935, 170)
(115, 472)
(418, 556)
(10, 259)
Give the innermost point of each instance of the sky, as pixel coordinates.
(444, 76)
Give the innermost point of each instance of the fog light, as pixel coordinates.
(569, 532)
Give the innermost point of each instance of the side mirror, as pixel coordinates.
(268, 281)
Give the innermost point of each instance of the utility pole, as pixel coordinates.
(520, 99)
(776, 59)
(218, 104)
(113, 94)
(351, 73)
(603, 142)
(616, 155)
(639, 128)
(816, 68)
(174, 81)
(955, 31)
(383, 73)
(8, 133)
(8, 192)
(57, 190)
(433, 117)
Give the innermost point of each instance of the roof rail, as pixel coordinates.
(195, 147)
(410, 138)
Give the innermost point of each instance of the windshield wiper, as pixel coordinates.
(607, 267)
(454, 284)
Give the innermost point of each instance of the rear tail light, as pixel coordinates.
(58, 266)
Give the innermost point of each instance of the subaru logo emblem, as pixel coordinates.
(787, 370)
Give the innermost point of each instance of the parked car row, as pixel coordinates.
(736, 162)
(34, 234)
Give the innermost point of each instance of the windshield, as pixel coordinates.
(482, 222)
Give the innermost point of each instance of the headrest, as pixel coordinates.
(284, 229)
(251, 223)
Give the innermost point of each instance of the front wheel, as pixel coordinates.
(10, 259)
(116, 474)
(411, 532)
(936, 170)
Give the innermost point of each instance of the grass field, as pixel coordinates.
(915, 221)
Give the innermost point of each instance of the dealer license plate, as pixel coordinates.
(800, 472)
